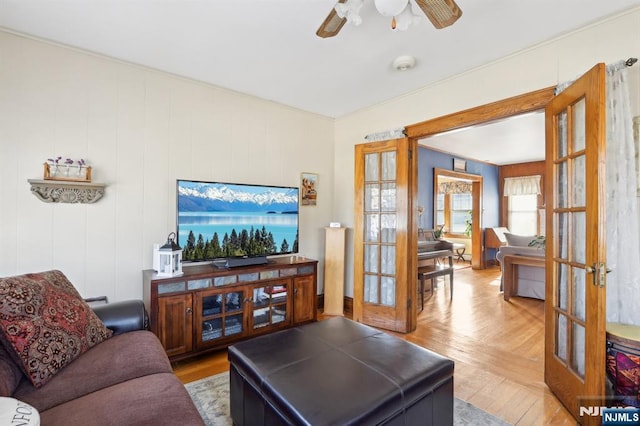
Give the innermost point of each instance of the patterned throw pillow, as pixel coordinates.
(46, 323)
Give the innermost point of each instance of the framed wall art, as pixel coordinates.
(308, 189)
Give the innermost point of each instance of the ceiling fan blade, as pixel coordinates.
(332, 23)
(441, 13)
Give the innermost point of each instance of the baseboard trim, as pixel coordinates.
(348, 305)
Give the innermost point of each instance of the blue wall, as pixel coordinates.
(428, 160)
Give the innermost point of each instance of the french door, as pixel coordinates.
(385, 229)
(576, 261)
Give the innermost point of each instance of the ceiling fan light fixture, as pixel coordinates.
(404, 63)
(405, 19)
(350, 10)
(390, 7)
(441, 13)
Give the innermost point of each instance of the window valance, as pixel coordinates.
(524, 185)
(455, 187)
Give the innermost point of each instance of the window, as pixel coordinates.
(523, 214)
(453, 211)
(461, 205)
(440, 209)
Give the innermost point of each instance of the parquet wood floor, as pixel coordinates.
(498, 348)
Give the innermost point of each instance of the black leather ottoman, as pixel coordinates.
(338, 372)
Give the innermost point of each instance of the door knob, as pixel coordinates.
(591, 270)
(599, 271)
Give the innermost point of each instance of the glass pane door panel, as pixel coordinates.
(389, 165)
(388, 291)
(563, 185)
(233, 302)
(388, 228)
(563, 237)
(278, 313)
(371, 288)
(278, 294)
(371, 258)
(269, 305)
(579, 125)
(388, 260)
(371, 168)
(562, 135)
(212, 305)
(562, 287)
(561, 338)
(579, 171)
(233, 325)
(579, 231)
(211, 329)
(372, 228)
(261, 317)
(579, 293)
(577, 357)
(372, 197)
(260, 297)
(388, 202)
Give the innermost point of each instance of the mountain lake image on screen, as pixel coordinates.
(221, 220)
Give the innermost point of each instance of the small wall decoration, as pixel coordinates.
(459, 165)
(309, 189)
(66, 181)
(67, 170)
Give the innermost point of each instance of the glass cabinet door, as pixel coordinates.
(221, 314)
(270, 305)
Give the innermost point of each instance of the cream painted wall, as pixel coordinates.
(545, 65)
(140, 129)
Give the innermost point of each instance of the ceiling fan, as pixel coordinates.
(441, 13)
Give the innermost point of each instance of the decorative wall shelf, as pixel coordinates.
(52, 191)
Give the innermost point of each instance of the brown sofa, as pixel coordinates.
(125, 380)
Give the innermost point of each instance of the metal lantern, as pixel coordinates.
(170, 258)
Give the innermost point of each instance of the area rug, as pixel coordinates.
(211, 397)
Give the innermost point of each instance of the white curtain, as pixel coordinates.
(524, 185)
(622, 218)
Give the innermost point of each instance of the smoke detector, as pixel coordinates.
(404, 63)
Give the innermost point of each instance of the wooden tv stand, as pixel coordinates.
(208, 308)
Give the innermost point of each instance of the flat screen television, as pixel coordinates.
(217, 220)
